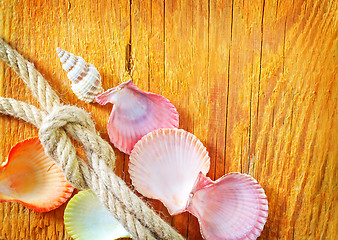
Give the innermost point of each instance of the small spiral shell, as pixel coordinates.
(86, 80)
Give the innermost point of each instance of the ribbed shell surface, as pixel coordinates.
(86, 80)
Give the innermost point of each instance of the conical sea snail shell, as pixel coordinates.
(136, 113)
(86, 80)
(232, 207)
(30, 177)
(165, 164)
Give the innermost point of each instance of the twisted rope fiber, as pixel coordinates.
(97, 174)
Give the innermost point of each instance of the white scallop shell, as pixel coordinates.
(165, 164)
(86, 80)
(86, 218)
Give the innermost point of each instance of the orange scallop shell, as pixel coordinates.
(30, 177)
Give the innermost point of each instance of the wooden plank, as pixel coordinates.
(198, 93)
(220, 22)
(256, 81)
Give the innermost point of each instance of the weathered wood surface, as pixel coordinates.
(256, 81)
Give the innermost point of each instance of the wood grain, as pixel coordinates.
(256, 81)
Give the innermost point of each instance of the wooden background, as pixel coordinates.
(256, 81)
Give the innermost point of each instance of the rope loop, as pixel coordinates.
(64, 115)
(58, 145)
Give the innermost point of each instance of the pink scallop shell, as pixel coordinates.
(233, 207)
(136, 113)
(165, 164)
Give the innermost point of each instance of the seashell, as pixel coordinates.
(30, 177)
(86, 80)
(233, 207)
(165, 164)
(86, 218)
(170, 165)
(136, 113)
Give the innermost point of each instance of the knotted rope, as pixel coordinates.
(95, 174)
